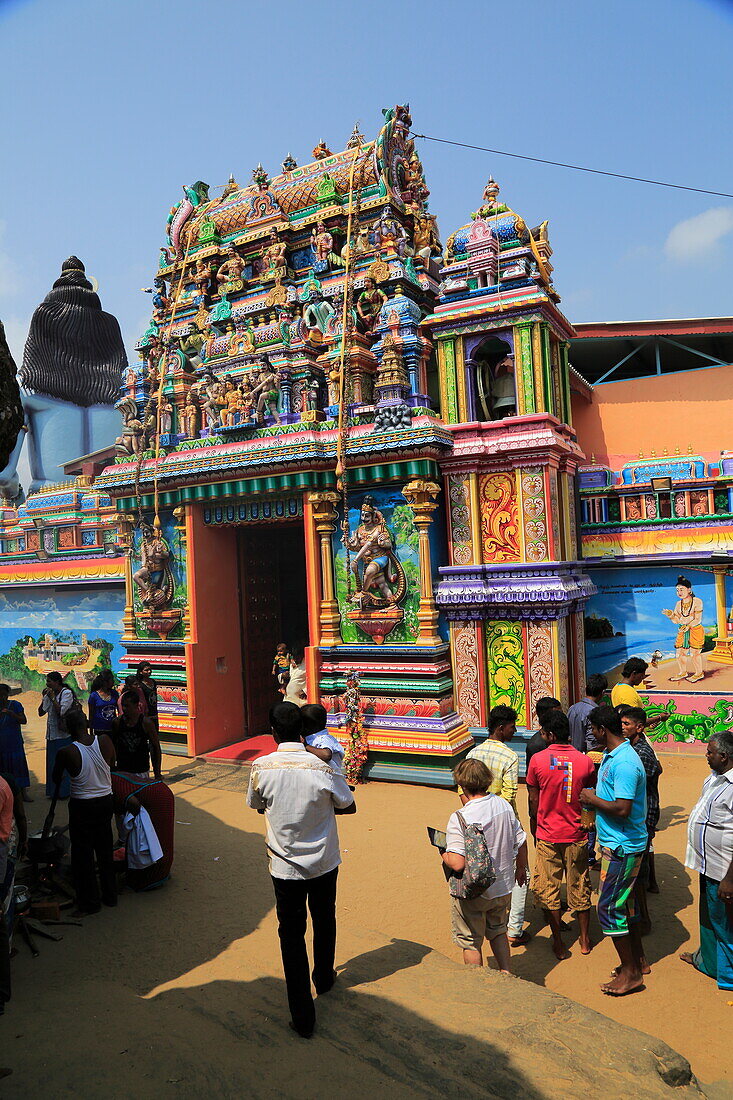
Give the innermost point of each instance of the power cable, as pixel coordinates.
(574, 167)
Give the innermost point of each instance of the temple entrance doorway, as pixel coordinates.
(273, 608)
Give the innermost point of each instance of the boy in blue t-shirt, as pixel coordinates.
(317, 738)
(620, 804)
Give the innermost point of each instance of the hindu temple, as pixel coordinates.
(343, 434)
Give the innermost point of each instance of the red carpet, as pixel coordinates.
(243, 752)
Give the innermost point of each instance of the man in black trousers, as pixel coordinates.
(300, 795)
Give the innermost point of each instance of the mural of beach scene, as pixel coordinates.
(644, 612)
(73, 630)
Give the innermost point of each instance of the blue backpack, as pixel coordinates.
(478, 874)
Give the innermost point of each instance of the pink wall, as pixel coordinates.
(690, 408)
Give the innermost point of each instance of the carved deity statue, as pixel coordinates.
(389, 234)
(369, 304)
(161, 301)
(267, 392)
(425, 238)
(130, 441)
(202, 278)
(321, 244)
(274, 258)
(232, 405)
(190, 345)
(229, 275)
(191, 417)
(379, 576)
(166, 418)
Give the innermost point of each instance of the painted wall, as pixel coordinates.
(71, 629)
(625, 619)
(400, 522)
(690, 408)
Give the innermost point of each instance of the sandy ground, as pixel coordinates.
(181, 989)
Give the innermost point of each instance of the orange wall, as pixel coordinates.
(214, 658)
(690, 408)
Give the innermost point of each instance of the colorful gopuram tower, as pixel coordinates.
(280, 460)
(513, 590)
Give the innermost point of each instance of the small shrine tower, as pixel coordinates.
(513, 590)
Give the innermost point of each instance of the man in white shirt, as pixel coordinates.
(710, 853)
(55, 703)
(299, 795)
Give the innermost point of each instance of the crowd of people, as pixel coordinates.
(100, 761)
(592, 780)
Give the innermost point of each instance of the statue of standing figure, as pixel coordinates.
(321, 245)
(229, 275)
(267, 392)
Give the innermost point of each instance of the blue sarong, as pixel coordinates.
(714, 956)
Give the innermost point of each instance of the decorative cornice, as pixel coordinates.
(549, 590)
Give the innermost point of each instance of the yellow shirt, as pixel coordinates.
(626, 694)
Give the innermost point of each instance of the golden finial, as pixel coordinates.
(641, 454)
(230, 188)
(677, 451)
(689, 449)
(654, 454)
(665, 452)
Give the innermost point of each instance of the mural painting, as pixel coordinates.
(377, 570)
(74, 631)
(159, 580)
(668, 618)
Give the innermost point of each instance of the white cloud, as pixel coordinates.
(696, 238)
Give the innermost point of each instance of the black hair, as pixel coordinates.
(543, 707)
(557, 724)
(286, 722)
(595, 685)
(4, 687)
(637, 713)
(55, 676)
(501, 716)
(101, 678)
(684, 582)
(143, 664)
(76, 722)
(130, 693)
(606, 718)
(634, 664)
(314, 718)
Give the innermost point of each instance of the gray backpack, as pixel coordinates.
(478, 874)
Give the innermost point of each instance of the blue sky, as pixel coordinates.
(110, 107)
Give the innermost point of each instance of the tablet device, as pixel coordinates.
(437, 837)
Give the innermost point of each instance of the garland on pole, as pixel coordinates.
(357, 747)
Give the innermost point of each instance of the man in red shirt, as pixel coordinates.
(555, 778)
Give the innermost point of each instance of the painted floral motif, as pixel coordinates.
(555, 513)
(533, 508)
(562, 662)
(499, 531)
(539, 657)
(466, 673)
(460, 519)
(505, 662)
